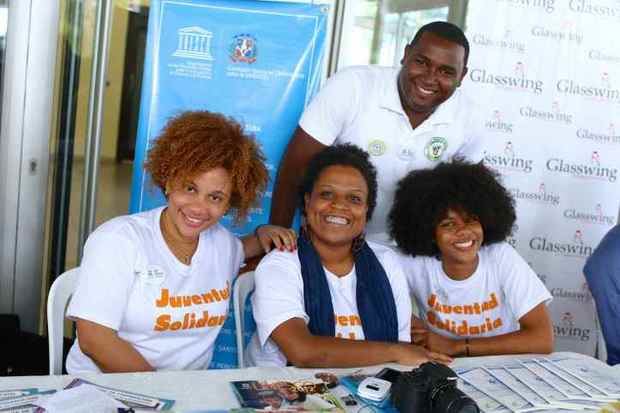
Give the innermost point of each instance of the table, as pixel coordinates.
(210, 389)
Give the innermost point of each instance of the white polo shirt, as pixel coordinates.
(361, 105)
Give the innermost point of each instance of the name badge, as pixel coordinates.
(152, 275)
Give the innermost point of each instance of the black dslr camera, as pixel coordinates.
(431, 388)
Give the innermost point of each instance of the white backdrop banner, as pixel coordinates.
(546, 75)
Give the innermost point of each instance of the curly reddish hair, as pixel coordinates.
(195, 142)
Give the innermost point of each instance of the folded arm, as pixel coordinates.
(534, 336)
(304, 349)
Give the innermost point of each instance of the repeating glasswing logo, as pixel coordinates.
(243, 49)
(596, 216)
(507, 42)
(582, 295)
(567, 328)
(507, 161)
(608, 136)
(515, 81)
(546, 5)
(194, 42)
(604, 56)
(496, 123)
(603, 92)
(591, 169)
(565, 33)
(555, 114)
(541, 195)
(595, 8)
(576, 247)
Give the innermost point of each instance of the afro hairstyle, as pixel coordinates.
(423, 198)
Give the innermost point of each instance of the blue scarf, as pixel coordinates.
(375, 300)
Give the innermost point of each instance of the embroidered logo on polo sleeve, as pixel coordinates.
(435, 148)
(377, 147)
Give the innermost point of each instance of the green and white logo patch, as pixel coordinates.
(435, 147)
(376, 147)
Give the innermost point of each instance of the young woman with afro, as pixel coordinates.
(476, 294)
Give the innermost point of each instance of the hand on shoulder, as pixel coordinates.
(275, 236)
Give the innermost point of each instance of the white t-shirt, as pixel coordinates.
(279, 296)
(169, 312)
(361, 105)
(490, 302)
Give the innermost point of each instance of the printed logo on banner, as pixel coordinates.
(194, 43)
(497, 123)
(243, 49)
(540, 196)
(582, 295)
(566, 33)
(575, 247)
(555, 114)
(507, 161)
(603, 56)
(516, 81)
(593, 168)
(602, 92)
(595, 216)
(595, 8)
(609, 136)
(504, 43)
(546, 5)
(568, 328)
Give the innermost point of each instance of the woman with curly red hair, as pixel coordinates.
(154, 286)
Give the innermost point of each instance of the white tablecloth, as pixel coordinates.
(210, 389)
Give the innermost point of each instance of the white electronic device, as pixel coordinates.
(374, 388)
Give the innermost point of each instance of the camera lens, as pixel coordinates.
(449, 399)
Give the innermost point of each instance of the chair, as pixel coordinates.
(57, 301)
(244, 285)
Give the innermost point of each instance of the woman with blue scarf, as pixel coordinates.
(338, 301)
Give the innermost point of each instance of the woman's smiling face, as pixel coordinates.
(459, 237)
(337, 206)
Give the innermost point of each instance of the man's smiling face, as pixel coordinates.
(432, 69)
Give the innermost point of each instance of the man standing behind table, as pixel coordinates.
(406, 118)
